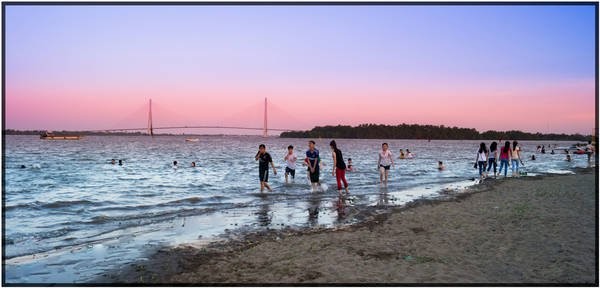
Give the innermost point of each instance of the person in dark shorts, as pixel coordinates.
(264, 159)
(339, 167)
(290, 163)
(386, 160)
(312, 161)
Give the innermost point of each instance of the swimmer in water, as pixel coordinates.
(23, 167)
(174, 164)
(441, 166)
(401, 154)
(568, 157)
(193, 164)
(113, 161)
(533, 157)
(120, 162)
(350, 166)
(408, 154)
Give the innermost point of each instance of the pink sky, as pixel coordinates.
(528, 68)
(534, 106)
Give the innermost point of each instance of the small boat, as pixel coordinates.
(192, 139)
(51, 136)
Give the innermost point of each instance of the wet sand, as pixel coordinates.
(526, 230)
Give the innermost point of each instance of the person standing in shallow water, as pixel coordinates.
(504, 158)
(312, 161)
(482, 158)
(264, 159)
(516, 158)
(290, 163)
(339, 167)
(386, 160)
(492, 157)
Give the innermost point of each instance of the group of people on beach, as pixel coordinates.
(312, 161)
(486, 159)
(489, 158)
(314, 164)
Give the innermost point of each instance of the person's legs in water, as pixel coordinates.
(387, 174)
(338, 179)
(481, 165)
(515, 167)
(340, 176)
(503, 163)
(381, 173)
(491, 162)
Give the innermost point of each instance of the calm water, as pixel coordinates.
(70, 215)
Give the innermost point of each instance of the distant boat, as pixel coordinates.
(192, 139)
(50, 136)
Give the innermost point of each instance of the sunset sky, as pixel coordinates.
(527, 68)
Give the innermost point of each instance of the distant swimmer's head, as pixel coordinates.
(407, 151)
(23, 167)
(113, 161)
(311, 144)
(440, 165)
(349, 159)
(333, 145)
(174, 163)
(120, 162)
(401, 150)
(262, 148)
(532, 157)
(290, 149)
(384, 146)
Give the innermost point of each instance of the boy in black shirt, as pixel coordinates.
(264, 159)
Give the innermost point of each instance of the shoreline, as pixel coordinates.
(233, 260)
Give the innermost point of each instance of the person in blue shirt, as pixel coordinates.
(312, 161)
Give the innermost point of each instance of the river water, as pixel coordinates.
(70, 215)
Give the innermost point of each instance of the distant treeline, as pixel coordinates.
(40, 132)
(414, 131)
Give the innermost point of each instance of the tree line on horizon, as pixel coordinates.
(415, 131)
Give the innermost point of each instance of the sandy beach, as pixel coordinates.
(526, 230)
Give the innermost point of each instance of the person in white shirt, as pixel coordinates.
(290, 163)
(386, 160)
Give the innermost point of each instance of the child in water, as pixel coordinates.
(408, 154)
(441, 165)
(290, 163)
(350, 166)
(264, 159)
(401, 154)
(312, 161)
(174, 164)
(384, 163)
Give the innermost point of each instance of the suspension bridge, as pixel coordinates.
(150, 128)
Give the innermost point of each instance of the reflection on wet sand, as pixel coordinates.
(264, 213)
(383, 200)
(341, 206)
(314, 201)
